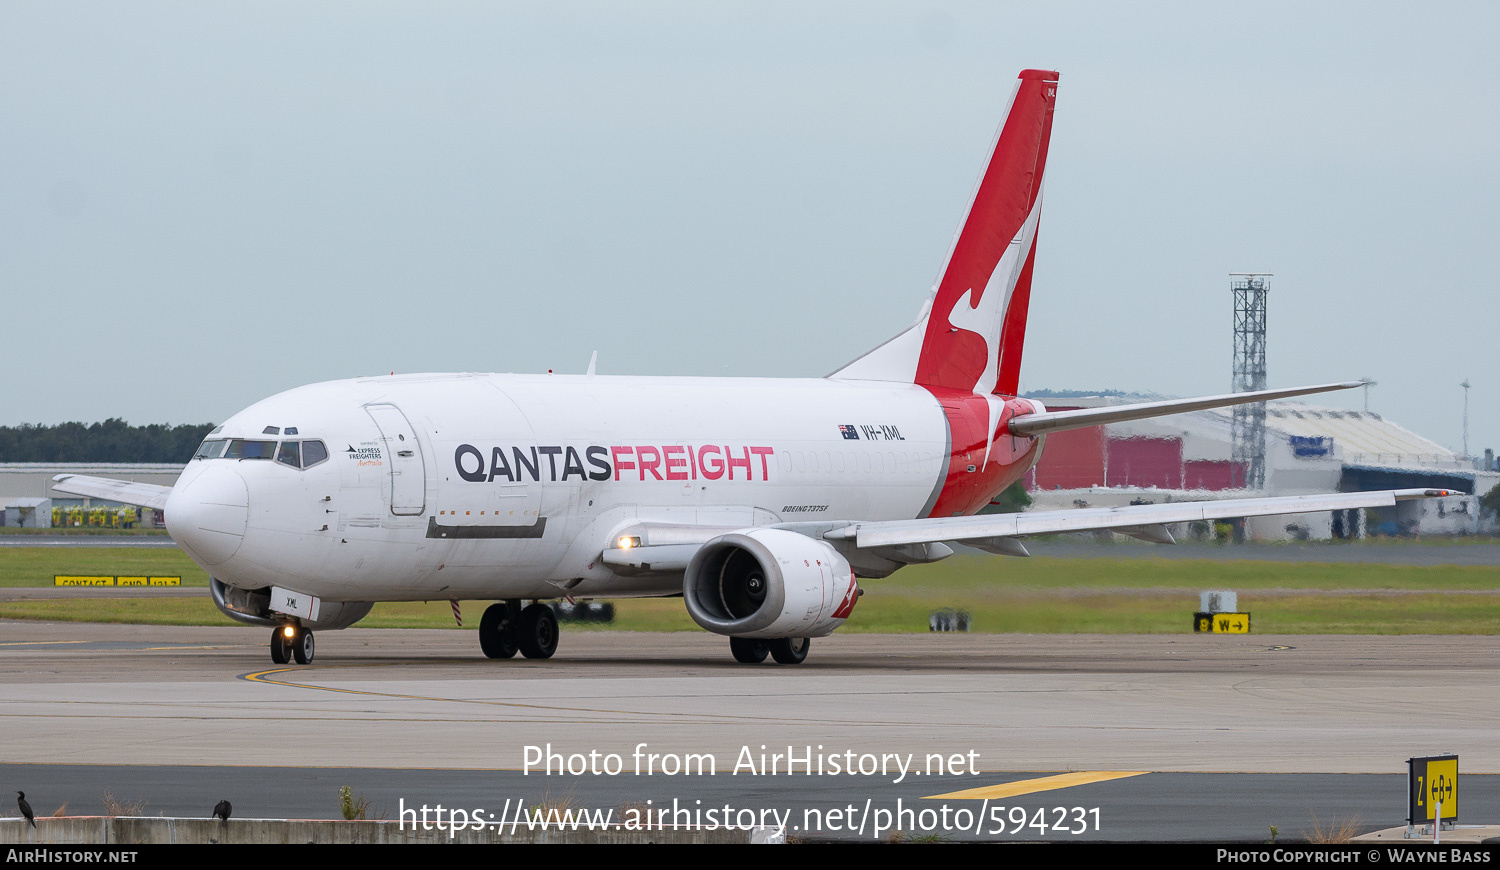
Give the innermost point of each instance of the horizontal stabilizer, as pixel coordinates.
(1137, 520)
(1029, 425)
(149, 495)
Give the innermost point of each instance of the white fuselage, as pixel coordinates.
(507, 486)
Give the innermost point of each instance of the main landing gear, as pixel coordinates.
(291, 642)
(507, 628)
(785, 650)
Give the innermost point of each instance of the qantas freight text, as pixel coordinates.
(665, 462)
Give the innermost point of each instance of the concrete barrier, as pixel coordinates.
(145, 830)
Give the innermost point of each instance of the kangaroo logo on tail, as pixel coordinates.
(985, 317)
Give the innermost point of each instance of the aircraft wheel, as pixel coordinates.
(790, 650)
(497, 637)
(749, 650)
(536, 632)
(281, 651)
(302, 647)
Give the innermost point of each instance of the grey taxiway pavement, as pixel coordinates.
(1224, 735)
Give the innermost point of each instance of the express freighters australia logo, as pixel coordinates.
(365, 454)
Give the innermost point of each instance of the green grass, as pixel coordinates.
(83, 531)
(1156, 613)
(35, 566)
(964, 576)
(637, 615)
(1371, 541)
(1103, 613)
(1003, 595)
(969, 574)
(134, 611)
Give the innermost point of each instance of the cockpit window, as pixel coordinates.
(297, 454)
(242, 449)
(313, 452)
(211, 449)
(290, 454)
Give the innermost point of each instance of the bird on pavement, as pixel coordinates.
(222, 810)
(25, 808)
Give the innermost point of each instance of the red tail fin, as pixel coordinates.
(971, 335)
(978, 320)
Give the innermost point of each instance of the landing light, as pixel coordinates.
(289, 631)
(626, 542)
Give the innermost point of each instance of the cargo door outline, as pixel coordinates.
(408, 465)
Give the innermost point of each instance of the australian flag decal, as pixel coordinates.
(849, 433)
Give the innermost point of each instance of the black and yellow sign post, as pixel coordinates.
(1219, 613)
(110, 580)
(1431, 794)
(1222, 623)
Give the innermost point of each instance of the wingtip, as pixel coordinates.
(1407, 494)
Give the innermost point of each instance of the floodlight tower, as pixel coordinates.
(1249, 424)
(1465, 385)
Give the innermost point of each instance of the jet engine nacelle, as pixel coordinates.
(769, 583)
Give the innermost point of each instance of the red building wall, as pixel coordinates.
(1087, 457)
(1212, 474)
(1145, 462)
(1071, 460)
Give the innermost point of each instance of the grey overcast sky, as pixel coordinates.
(202, 204)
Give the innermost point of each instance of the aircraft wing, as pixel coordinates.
(149, 495)
(1144, 521)
(1061, 421)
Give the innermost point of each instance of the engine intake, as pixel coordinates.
(769, 583)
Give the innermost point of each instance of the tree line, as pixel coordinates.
(114, 440)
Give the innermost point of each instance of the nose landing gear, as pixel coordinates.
(290, 642)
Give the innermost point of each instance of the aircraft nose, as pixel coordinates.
(207, 515)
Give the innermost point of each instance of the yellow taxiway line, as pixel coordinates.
(1029, 786)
